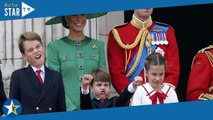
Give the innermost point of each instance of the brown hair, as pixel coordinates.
(64, 22)
(100, 75)
(154, 59)
(27, 36)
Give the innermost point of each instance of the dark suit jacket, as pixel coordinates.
(2, 94)
(122, 100)
(34, 98)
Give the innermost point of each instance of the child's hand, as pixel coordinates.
(86, 80)
(137, 81)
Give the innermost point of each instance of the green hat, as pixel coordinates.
(58, 19)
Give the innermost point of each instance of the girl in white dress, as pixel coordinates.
(154, 91)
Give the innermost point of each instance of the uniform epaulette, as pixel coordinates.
(208, 54)
(164, 24)
(119, 26)
(206, 48)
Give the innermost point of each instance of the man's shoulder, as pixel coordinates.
(162, 24)
(121, 26)
(209, 48)
(205, 54)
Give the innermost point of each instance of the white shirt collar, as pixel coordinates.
(42, 69)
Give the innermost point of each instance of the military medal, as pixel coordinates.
(157, 39)
(162, 40)
(153, 42)
(153, 39)
(165, 40)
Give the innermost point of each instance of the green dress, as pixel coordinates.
(73, 59)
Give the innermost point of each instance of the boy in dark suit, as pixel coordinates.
(38, 88)
(100, 82)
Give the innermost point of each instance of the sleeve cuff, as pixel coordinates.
(85, 92)
(130, 88)
(205, 96)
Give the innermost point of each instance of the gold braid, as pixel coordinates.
(206, 48)
(208, 54)
(210, 57)
(127, 58)
(129, 73)
(142, 35)
(148, 43)
(122, 45)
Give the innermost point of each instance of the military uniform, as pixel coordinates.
(127, 42)
(74, 59)
(200, 83)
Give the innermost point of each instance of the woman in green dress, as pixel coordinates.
(75, 55)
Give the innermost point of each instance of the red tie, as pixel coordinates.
(160, 95)
(39, 77)
(101, 100)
